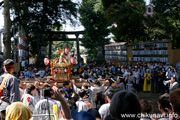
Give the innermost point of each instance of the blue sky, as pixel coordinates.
(66, 27)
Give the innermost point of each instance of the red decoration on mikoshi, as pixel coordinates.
(66, 50)
(46, 61)
(73, 60)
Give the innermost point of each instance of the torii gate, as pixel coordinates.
(63, 38)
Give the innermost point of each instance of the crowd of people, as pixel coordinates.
(108, 92)
(152, 77)
(141, 76)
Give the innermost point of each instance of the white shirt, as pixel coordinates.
(23, 63)
(123, 70)
(30, 73)
(95, 90)
(173, 86)
(26, 74)
(88, 91)
(81, 106)
(151, 67)
(104, 111)
(42, 108)
(125, 74)
(30, 101)
(42, 74)
(136, 75)
(171, 74)
(22, 92)
(121, 86)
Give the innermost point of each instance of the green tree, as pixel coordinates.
(169, 16)
(92, 18)
(62, 45)
(126, 19)
(157, 28)
(107, 3)
(37, 16)
(169, 9)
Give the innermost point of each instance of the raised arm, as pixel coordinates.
(75, 88)
(65, 107)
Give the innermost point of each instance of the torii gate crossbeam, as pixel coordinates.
(76, 33)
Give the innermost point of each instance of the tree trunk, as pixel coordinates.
(7, 34)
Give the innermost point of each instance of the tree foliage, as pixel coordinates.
(169, 9)
(37, 16)
(157, 28)
(92, 18)
(107, 3)
(169, 16)
(126, 19)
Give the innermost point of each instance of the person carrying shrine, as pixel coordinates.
(9, 89)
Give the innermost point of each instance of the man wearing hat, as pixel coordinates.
(10, 91)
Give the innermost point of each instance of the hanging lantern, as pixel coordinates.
(46, 61)
(66, 51)
(73, 60)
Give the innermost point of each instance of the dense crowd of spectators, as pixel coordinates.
(108, 92)
(148, 77)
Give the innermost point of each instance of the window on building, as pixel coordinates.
(149, 10)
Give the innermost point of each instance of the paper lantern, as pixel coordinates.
(66, 51)
(46, 61)
(73, 60)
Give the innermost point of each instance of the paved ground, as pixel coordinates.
(152, 99)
